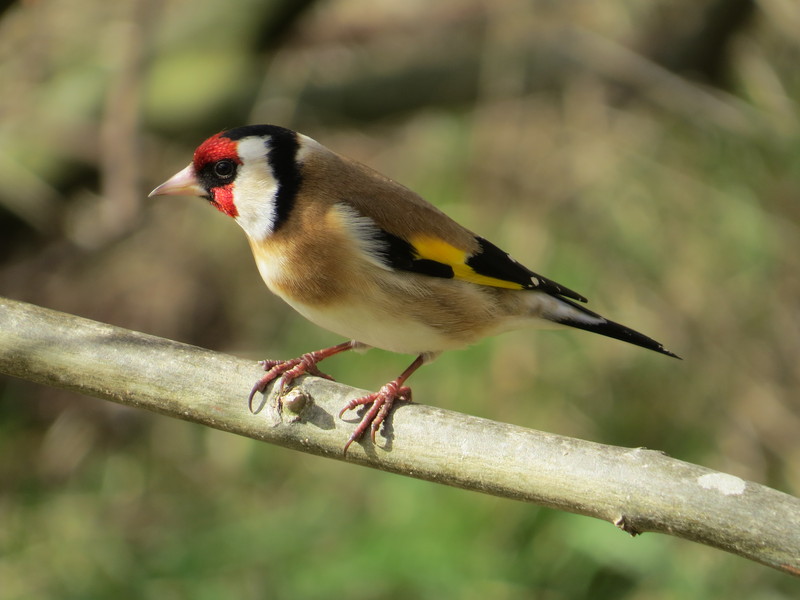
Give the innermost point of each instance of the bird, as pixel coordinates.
(365, 257)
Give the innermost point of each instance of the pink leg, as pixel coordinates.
(382, 402)
(289, 370)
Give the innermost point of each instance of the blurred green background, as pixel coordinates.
(642, 153)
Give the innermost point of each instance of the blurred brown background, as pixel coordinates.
(644, 154)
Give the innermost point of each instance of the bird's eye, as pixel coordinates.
(225, 168)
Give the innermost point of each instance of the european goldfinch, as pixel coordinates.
(367, 258)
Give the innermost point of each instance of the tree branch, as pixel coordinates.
(636, 489)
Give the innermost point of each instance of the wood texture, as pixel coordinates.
(637, 489)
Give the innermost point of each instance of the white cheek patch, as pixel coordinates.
(254, 190)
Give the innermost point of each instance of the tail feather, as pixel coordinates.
(575, 315)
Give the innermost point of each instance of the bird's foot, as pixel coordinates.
(382, 402)
(289, 370)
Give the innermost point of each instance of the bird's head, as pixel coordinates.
(250, 173)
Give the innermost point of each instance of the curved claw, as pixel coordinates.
(274, 368)
(250, 399)
(382, 402)
(288, 371)
(291, 369)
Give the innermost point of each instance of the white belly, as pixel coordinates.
(384, 331)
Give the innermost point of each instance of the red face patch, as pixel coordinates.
(214, 149)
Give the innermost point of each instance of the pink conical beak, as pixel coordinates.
(183, 183)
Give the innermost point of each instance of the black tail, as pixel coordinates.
(583, 318)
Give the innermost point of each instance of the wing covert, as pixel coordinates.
(489, 265)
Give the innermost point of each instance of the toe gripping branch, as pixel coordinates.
(289, 370)
(381, 401)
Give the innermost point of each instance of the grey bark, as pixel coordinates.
(637, 489)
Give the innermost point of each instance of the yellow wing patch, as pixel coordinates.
(436, 249)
